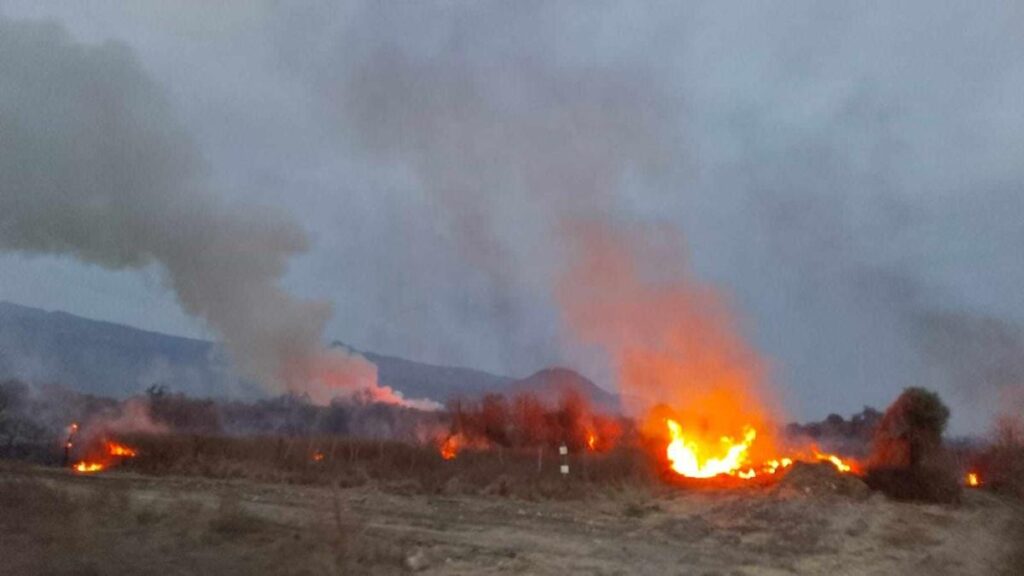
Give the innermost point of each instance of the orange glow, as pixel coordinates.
(973, 480)
(120, 450)
(87, 467)
(591, 442)
(450, 447)
(318, 456)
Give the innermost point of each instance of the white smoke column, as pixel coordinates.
(94, 165)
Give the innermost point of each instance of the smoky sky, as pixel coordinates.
(848, 176)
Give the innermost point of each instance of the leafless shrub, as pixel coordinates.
(1001, 465)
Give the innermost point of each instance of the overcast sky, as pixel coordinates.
(849, 175)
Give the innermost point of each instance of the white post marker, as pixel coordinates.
(565, 468)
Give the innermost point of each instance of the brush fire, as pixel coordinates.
(687, 451)
(103, 456)
(693, 458)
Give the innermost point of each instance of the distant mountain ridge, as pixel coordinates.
(115, 360)
(108, 359)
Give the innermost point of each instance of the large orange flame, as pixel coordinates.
(692, 457)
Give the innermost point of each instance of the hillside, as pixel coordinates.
(110, 359)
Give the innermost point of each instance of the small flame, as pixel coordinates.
(112, 453)
(836, 461)
(591, 442)
(450, 447)
(318, 456)
(87, 467)
(120, 450)
(973, 480)
(773, 466)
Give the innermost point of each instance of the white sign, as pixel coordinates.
(563, 450)
(565, 468)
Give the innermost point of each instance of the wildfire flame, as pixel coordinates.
(773, 466)
(318, 457)
(973, 480)
(835, 460)
(87, 467)
(691, 457)
(112, 453)
(592, 442)
(450, 447)
(115, 449)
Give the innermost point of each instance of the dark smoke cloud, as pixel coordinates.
(94, 165)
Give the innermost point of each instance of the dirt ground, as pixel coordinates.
(54, 522)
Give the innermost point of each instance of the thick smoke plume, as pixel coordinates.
(671, 338)
(94, 165)
(555, 162)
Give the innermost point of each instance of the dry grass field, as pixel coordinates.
(122, 522)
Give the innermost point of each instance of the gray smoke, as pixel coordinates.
(94, 165)
(510, 144)
(797, 147)
(842, 170)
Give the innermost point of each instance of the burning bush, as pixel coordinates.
(527, 422)
(908, 460)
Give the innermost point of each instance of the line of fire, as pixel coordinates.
(683, 452)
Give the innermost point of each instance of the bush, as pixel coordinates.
(908, 461)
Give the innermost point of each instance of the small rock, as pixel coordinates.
(859, 527)
(417, 561)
